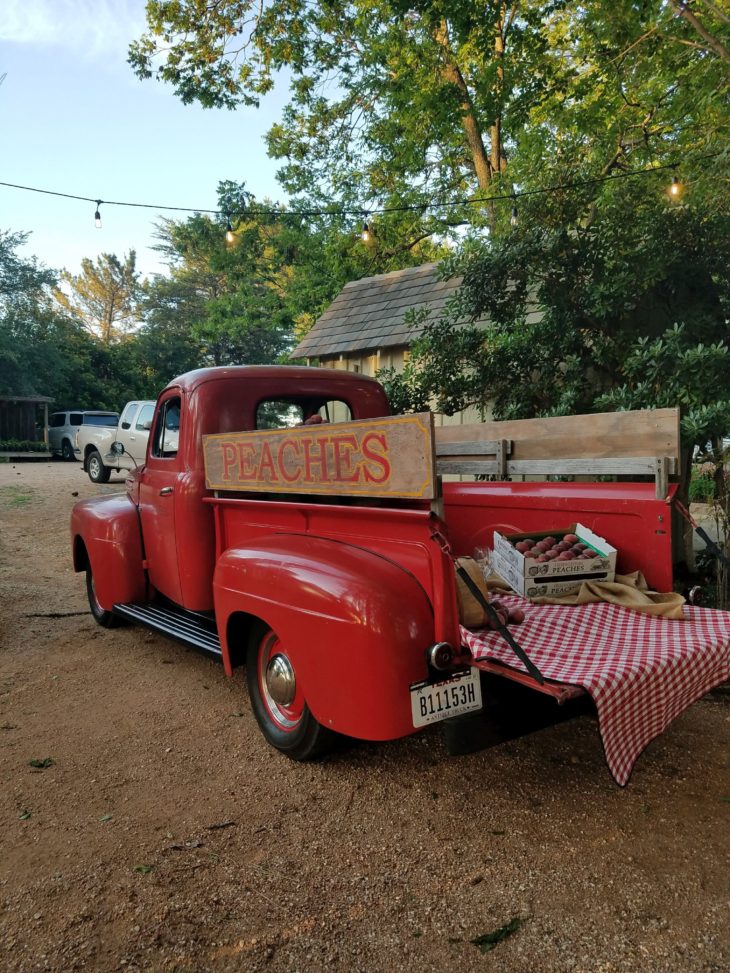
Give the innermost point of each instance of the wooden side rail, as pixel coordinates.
(467, 457)
(611, 443)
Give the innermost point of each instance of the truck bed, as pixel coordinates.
(628, 515)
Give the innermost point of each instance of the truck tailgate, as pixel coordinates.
(641, 671)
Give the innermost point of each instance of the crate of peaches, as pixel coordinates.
(548, 563)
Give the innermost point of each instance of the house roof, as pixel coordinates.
(368, 314)
(25, 398)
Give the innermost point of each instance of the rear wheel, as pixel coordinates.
(98, 473)
(67, 450)
(105, 618)
(278, 701)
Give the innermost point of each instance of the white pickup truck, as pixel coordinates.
(94, 444)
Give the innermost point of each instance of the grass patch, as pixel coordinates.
(19, 496)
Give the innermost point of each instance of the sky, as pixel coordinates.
(75, 119)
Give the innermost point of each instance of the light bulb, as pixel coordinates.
(97, 215)
(513, 218)
(365, 232)
(676, 187)
(229, 232)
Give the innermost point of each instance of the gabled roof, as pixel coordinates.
(368, 314)
(25, 398)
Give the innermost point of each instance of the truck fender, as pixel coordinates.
(356, 626)
(105, 536)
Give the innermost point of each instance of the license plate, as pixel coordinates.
(460, 693)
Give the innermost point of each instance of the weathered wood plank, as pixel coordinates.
(650, 432)
(391, 457)
(643, 465)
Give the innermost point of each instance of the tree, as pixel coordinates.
(568, 305)
(248, 299)
(104, 296)
(393, 101)
(22, 291)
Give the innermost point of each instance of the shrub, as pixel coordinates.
(22, 446)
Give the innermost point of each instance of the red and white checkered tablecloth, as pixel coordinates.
(641, 671)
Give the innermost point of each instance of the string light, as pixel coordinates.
(675, 189)
(366, 234)
(230, 238)
(513, 216)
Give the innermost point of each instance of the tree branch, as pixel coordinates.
(451, 72)
(712, 42)
(716, 10)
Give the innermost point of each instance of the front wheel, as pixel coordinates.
(105, 618)
(98, 473)
(278, 701)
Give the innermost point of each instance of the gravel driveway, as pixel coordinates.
(164, 835)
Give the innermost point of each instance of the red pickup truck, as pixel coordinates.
(262, 529)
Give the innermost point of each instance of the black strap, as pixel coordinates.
(502, 629)
(712, 546)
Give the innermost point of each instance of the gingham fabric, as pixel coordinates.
(641, 671)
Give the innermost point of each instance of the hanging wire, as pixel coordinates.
(346, 211)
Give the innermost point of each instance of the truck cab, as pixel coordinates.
(177, 528)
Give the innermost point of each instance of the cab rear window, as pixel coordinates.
(283, 413)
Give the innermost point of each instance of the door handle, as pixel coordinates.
(165, 491)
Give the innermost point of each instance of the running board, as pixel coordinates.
(185, 627)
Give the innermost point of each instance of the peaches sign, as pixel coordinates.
(391, 457)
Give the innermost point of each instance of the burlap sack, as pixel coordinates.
(471, 613)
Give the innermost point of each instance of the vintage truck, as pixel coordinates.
(93, 443)
(284, 521)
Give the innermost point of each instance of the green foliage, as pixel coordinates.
(702, 485)
(103, 297)
(626, 309)
(22, 446)
(393, 102)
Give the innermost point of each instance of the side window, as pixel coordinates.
(126, 420)
(144, 419)
(57, 420)
(335, 411)
(167, 429)
(76, 419)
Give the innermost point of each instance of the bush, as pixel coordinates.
(22, 446)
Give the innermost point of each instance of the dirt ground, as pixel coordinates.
(166, 836)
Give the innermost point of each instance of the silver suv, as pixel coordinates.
(63, 426)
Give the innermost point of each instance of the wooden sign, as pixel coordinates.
(390, 457)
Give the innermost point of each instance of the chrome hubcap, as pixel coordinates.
(281, 683)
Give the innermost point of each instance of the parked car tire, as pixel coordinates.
(98, 473)
(104, 618)
(67, 450)
(278, 701)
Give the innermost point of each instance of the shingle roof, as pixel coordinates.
(369, 314)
